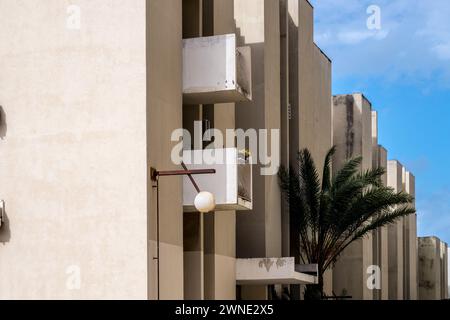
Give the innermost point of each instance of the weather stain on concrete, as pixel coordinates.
(350, 132)
(268, 263)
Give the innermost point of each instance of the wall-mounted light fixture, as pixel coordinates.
(204, 201)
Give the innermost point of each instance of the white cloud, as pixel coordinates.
(442, 51)
(355, 37)
(413, 43)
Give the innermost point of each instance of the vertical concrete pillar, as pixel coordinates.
(395, 237)
(193, 223)
(430, 275)
(410, 243)
(220, 227)
(258, 26)
(193, 256)
(444, 270)
(309, 83)
(352, 135)
(447, 269)
(380, 236)
(284, 124)
(164, 102)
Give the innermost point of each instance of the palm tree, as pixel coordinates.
(327, 217)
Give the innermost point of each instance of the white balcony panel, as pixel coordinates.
(215, 70)
(268, 271)
(231, 184)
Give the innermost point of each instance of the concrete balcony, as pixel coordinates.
(231, 184)
(271, 271)
(216, 71)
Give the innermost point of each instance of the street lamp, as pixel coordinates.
(204, 201)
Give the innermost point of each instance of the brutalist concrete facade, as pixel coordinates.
(292, 90)
(433, 269)
(101, 66)
(352, 136)
(76, 154)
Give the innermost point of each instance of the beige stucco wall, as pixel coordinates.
(74, 169)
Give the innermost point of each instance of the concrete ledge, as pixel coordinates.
(268, 271)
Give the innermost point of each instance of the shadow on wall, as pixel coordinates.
(3, 126)
(5, 231)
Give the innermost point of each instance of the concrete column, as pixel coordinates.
(380, 236)
(430, 277)
(410, 243)
(444, 270)
(309, 84)
(220, 253)
(258, 25)
(193, 256)
(446, 282)
(395, 237)
(284, 97)
(164, 87)
(220, 228)
(352, 135)
(193, 223)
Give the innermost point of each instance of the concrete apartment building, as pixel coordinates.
(78, 153)
(394, 248)
(352, 136)
(433, 269)
(91, 93)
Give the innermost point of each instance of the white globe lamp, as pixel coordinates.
(205, 202)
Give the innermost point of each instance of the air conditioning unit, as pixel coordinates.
(215, 70)
(231, 185)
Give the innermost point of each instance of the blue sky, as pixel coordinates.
(404, 69)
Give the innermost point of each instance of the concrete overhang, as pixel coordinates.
(270, 271)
